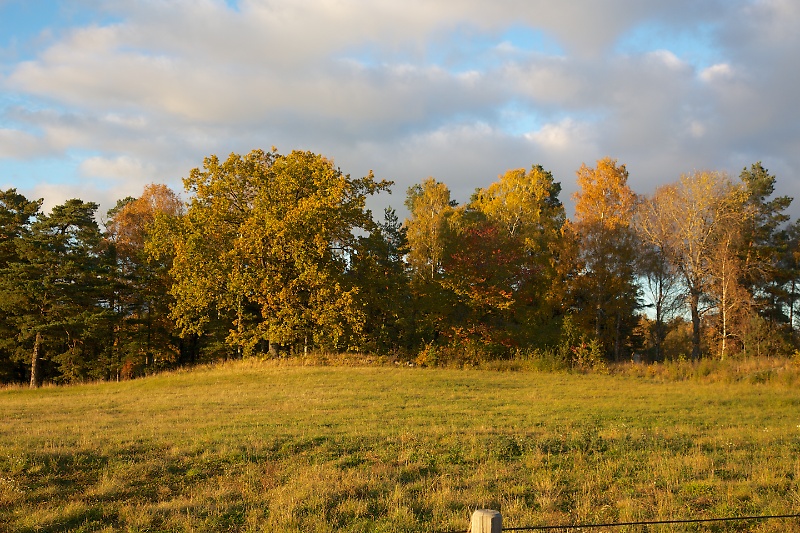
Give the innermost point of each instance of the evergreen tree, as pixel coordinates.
(16, 215)
(764, 240)
(384, 291)
(54, 293)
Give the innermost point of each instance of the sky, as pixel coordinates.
(99, 98)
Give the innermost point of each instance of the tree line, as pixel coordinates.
(274, 255)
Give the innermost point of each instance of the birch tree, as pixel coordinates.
(689, 220)
(520, 240)
(430, 209)
(661, 279)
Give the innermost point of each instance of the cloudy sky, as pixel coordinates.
(100, 97)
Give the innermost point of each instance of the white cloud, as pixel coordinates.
(553, 81)
(372, 84)
(18, 144)
(55, 194)
(116, 168)
(667, 59)
(718, 72)
(560, 136)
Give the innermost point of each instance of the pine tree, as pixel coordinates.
(55, 295)
(16, 215)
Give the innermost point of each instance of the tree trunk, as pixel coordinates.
(273, 349)
(791, 309)
(35, 361)
(724, 316)
(659, 327)
(694, 302)
(597, 320)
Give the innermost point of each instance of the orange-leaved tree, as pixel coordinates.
(146, 336)
(605, 291)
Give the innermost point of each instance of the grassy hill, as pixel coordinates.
(254, 446)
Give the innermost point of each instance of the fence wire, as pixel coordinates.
(569, 527)
(650, 523)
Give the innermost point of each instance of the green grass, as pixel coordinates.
(255, 446)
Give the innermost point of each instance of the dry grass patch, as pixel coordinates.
(253, 446)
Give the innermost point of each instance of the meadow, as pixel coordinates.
(269, 446)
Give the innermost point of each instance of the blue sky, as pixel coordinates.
(99, 98)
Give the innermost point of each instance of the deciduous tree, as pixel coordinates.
(210, 301)
(430, 208)
(145, 335)
(607, 292)
(296, 247)
(661, 282)
(689, 221)
(263, 249)
(520, 221)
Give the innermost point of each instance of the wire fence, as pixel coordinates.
(575, 527)
(571, 527)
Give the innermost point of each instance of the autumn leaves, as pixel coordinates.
(703, 246)
(277, 253)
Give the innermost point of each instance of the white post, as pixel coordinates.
(486, 521)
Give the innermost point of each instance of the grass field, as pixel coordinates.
(252, 446)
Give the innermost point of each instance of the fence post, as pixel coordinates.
(486, 521)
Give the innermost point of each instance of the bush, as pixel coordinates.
(428, 356)
(578, 351)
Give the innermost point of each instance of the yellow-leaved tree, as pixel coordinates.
(430, 209)
(519, 219)
(605, 289)
(486, 272)
(263, 249)
(428, 232)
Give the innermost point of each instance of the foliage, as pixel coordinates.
(579, 351)
(485, 273)
(430, 209)
(764, 240)
(527, 217)
(689, 222)
(277, 255)
(605, 292)
(145, 336)
(384, 296)
(16, 214)
(55, 293)
(264, 250)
